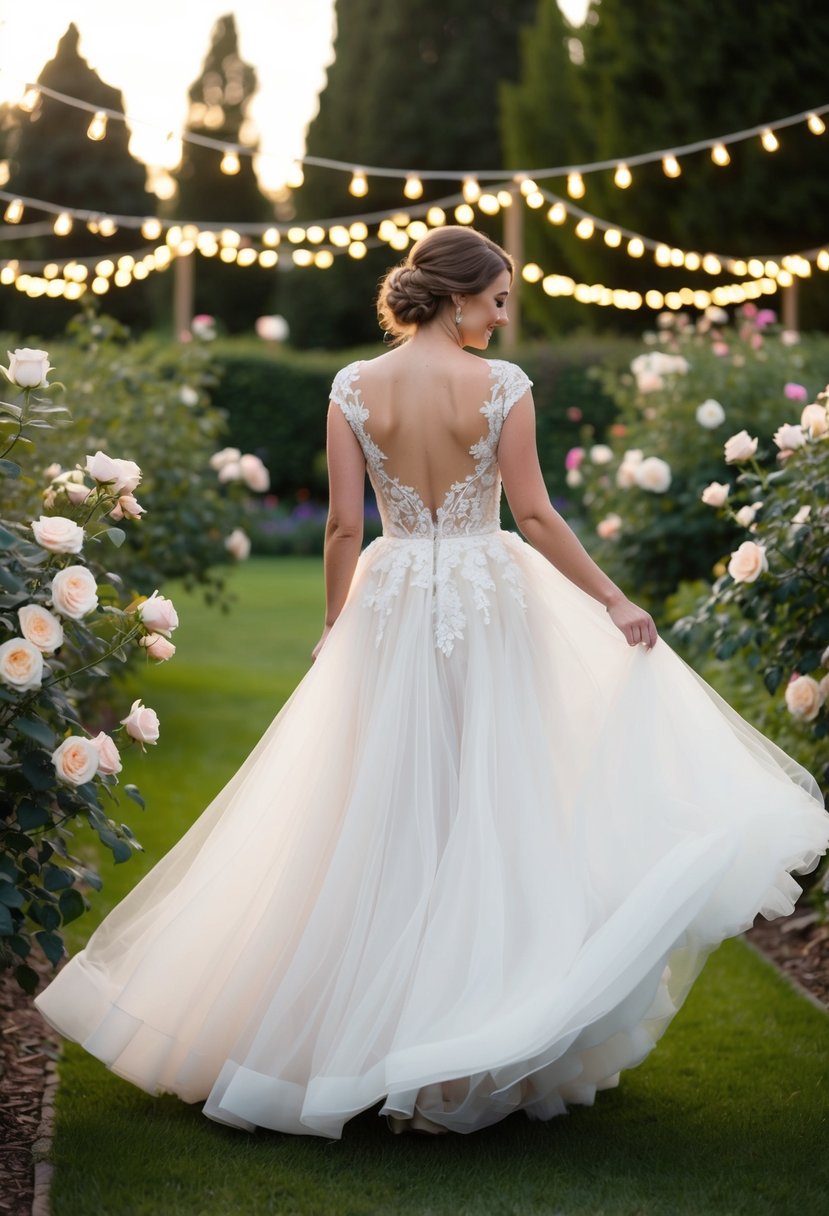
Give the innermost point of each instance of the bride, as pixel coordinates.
(479, 857)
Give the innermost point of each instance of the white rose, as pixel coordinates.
(238, 544)
(649, 382)
(127, 507)
(609, 527)
(28, 368)
(254, 473)
(40, 627)
(815, 420)
(121, 476)
(77, 494)
(158, 614)
(225, 456)
(626, 474)
(109, 758)
(653, 474)
(188, 395)
(272, 329)
(573, 478)
(717, 316)
(739, 447)
(715, 494)
(157, 646)
(76, 760)
(748, 562)
(141, 723)
(804, 698)
(600, 453)
(801, 516)
(58, 534)
(790, 337)
(745, 515)
(788, 437)
(710, 414)
(74, 592)
(21, 664)
(51, 471)
(231, 471)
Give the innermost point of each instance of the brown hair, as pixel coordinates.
(445, 261)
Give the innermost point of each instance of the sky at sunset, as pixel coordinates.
(153, 51)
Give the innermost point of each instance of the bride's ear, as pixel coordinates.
(458, 301)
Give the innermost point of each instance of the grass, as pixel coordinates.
(727, 1116)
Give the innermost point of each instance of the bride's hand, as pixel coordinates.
(320, 644)
(636, 624)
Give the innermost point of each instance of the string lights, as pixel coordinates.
(413, 178)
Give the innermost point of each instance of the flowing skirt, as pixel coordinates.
(460, 880)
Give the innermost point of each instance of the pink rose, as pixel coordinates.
(574, 458)
(609, 527)
(141, 723)
(720, 349)
(748, 563)
(766, 316)
(58, 534)
(109, 758)
(749, 310)
(40, 627)
(745, 516)
(756, 341)
(225, 456)
(238, 544)
(795, 392)
(74, 592)
(76, 760)
(158, 614)
(803, 698)
(121, 476)
(739, 447)
(77, 494)
(715, 494)
(157, 646)
(21, 664)
(127, 507)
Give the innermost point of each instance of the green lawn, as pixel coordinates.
(729, 1115)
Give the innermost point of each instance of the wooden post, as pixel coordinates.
(514, 243)
(790, 318)
(183, 295)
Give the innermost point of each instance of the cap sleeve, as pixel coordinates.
(514, 384)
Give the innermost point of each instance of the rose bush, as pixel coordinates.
(64, 623)
(698, 385)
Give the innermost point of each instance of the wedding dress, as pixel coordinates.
(473, 866)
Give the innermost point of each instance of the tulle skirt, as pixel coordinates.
(459, 884)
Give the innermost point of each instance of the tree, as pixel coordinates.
(411, 86)
(665, 75)
(219, 100)
(51, 158)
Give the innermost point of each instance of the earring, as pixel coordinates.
(458, 316)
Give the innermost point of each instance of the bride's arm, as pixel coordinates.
(542, 526)
(344, 527)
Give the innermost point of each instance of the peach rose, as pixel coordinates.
(715, 494)
(109, 758)
(803, 698)
(77, 494)
(157, 646)
(74, 592)
(21, 664)
(238, 544)
(58, 534)
(121, 476)
(748, 563)
(815, 420)
(739, 447)
(141, 723)
(609, 527)
(254, 474)
(226, 456)
(158, 614)
(39, 626)
(76, 760)
(745, 515)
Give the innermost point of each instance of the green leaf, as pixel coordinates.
(71, 905)
(10, 896)
(132, 791)
(34, 728)
(51, 945)
(26, 978)
(117, 536)
(10, 469)
(56, 878)
(31, 815)
(6, 407)
(11, 582)
(20, 945)
(39, 770)
(7, 926)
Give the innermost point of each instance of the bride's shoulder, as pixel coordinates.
(509, 376)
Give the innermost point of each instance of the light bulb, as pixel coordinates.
(769, 140)
(584, 228)
(816, 124)
(413, 187)
(29, 99)
(720, 155)
(97, 128)
(671, 168)
(464, 214)
(612, 238)
(557, 213)
(230, 163)
(488, 203)
(63, 224)
(151, 228)
(636, 247)
(470, 190)
(436, 216)
(575, 185)
(623, 176)
(14, 212)
(358, 186)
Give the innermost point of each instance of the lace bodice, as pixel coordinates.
(470, 505)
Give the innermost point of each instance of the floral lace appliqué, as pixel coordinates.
(462, 540)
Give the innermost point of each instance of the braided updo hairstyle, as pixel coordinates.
(445, 261)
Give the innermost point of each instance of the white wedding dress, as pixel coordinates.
(473, 866)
